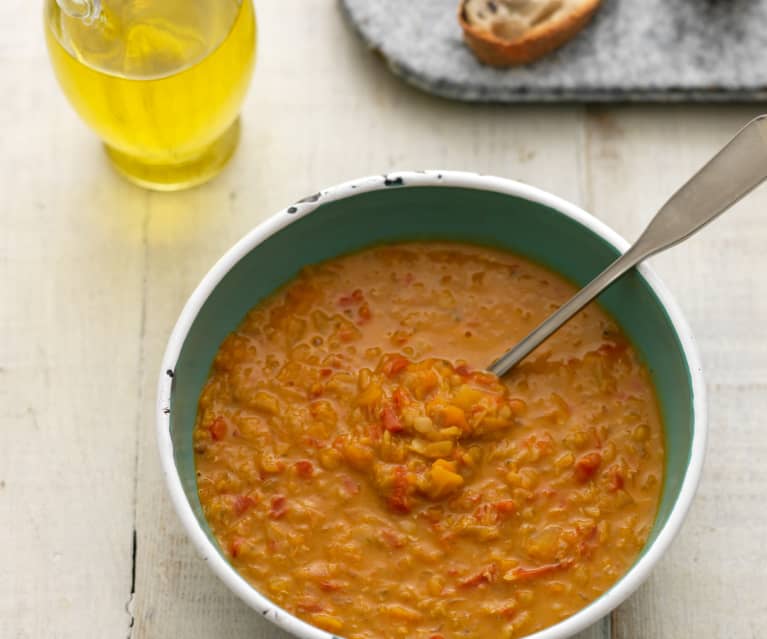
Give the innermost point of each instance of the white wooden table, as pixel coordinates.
(93, 273)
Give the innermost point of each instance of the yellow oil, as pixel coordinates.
(160, 81)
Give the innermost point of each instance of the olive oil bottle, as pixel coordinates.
(160, 81)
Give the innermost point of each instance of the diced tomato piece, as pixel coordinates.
(395, 365)
(315, 391)
(484, 379)
(279, 507)
(617, 480)
(399, 498)
(309, 604)
(400, 398)
(505, 508)
(485, 576)
(218, 429)
(355, 297)
(526, 574)
(326, 372)
(399, 503)
(509, 612)
(586, 466)
(236, 546)
(364, 314)
(242, 503)
(390, 420)
(545, 444)
(329, 585)
(400, 337)
(463, 370)
(392, 538)
(304, 469)
(313, 442)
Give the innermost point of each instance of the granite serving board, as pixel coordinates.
(634, 50)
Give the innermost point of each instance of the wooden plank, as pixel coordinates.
(71, 265)
(317, 115)
(712, 581)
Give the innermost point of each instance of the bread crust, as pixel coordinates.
(534, 44)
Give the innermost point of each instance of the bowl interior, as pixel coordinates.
(433, 212)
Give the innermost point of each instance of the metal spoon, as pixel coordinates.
(730, 175)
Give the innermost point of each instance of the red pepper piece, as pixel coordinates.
(485, 576)
(505, 508)
(526, 574)
(617, 480)
(304, 469)
(463, 370)
(235, 547)
(399, 497)
(364, 314)
(395, 365)
(587, 466)
(242, 503)
(279, 507)
(309, 604)
(218, 429)
(392, 538)
(400, 398)
(390, 420)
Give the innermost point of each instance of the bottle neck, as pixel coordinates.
(87, 10)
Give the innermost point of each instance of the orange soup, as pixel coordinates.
(361, 470)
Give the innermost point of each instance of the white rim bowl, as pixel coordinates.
(566, 628)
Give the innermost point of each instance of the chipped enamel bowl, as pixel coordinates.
(432, 205)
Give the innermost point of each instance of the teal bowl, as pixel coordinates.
(418, 206)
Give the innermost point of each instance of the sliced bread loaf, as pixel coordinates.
(508, 32)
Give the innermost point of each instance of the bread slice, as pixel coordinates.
(509, 32)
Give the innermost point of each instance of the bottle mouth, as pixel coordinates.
(86, 10)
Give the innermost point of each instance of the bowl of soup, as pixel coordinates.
(341, 458)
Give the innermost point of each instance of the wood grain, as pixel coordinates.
(93, 273)
(69, 348)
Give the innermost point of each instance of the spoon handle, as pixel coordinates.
(730, 175)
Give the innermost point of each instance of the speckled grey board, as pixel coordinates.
(634, 50)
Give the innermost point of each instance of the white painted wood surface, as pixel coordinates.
(94, 271)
